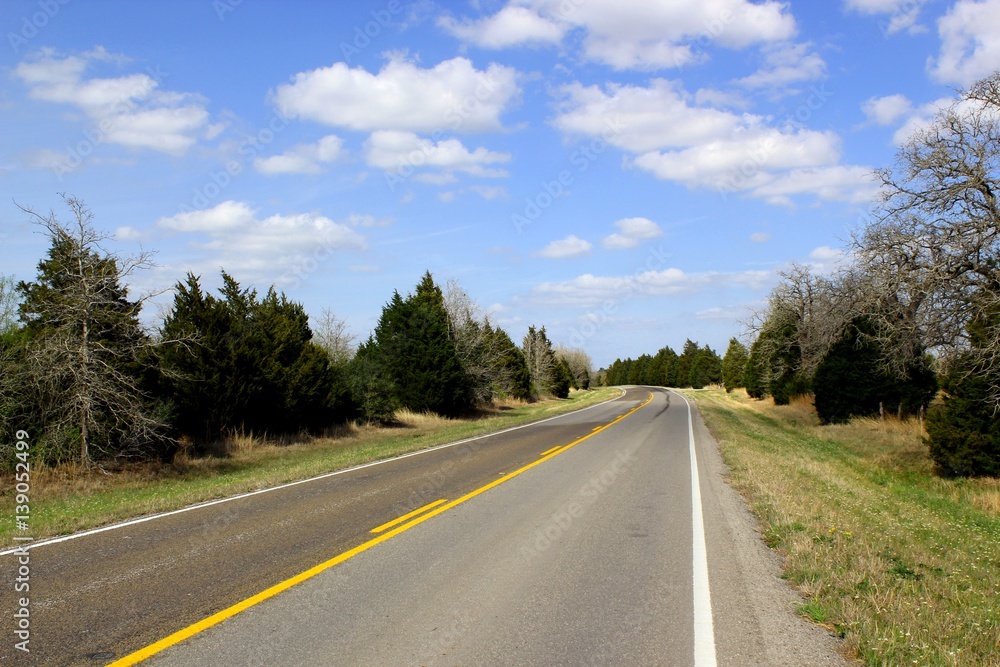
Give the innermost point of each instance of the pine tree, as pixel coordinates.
(411, 345)
(734, 365)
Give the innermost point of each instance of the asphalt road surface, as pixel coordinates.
(586, 539)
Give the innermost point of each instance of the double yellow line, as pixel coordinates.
(385, 534)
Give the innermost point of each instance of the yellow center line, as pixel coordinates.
(229, 612)
(408, 515)
(549, 451)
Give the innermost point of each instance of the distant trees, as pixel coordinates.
(579, 364)
(541, 360)
(695, 367)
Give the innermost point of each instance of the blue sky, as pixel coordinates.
(627, 173)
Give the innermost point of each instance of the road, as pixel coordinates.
(573, 541)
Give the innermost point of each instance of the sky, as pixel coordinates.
(627, 173)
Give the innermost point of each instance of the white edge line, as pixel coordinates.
(704, 631)
(343, 471)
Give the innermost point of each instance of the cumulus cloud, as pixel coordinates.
(588, 290)
(511, 26)
(273, 249)
(302, 158)
(701, 147)
(786, 64)
(401, 152)
(631, 232)
(970, 42)
(129, 110)
(452, 95)
(632, 34)
(903, 14)
(886, 110)
(571, 246)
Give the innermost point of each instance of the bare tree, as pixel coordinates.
(482, 350)
(931, 255)
(9, 303)
(86, 340)
(803, 316)
(579, 363)
(331, 333)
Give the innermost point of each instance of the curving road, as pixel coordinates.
(573, 541)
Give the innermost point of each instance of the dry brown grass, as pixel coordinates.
(904, 564)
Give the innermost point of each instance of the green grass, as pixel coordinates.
(66, 500)
(903, 564)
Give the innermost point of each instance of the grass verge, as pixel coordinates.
(66, 500)
(903, 564)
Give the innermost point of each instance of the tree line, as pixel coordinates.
(695, 367)
(915, 307)
(80, 372)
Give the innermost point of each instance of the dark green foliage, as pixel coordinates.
(411, 346)
(541, 360)
(755, 376)
(246, 363)
(562, 379)
(695, 367)
(964, 429)
(371, 387)
(850, 381)
(511, 375)
(734, 365)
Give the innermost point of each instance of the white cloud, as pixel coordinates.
(702, 147)
(631, 232)
(920, 118)
(511, 26)
(970, 42)
(129, 111)
(274, 249)
(852, 184)
(402, 152)
(571, 246)
(224, 217)
(903, 14)
(489, 192)
(785, 64)
(886, 110)
(302, 158)
(826, 260)
(760, 237)
(451, 95)
(637, 34)
(589, 290)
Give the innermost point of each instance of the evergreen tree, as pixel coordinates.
(541, 360)
(412, 346)
(734, 365)
(963, 430)
(562, 379)
(850, 380)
